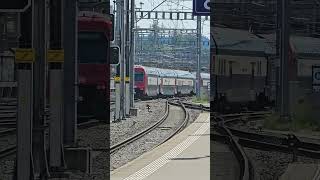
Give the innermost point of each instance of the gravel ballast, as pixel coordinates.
(269, 165)
(96, 138)
(149, 141)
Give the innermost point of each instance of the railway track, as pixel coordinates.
(224, 135)
(275, 142)
(154, 126)
(225, 131)
(289, 144)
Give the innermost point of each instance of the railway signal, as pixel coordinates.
(114, 55)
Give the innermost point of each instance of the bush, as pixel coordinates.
(301, 120)
(302, 116)
(274, 122)
(202, 99)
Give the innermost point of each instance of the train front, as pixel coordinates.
(94, 32)
(140, 82)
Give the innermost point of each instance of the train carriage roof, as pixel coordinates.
(239, 42)
(184, 74)
(167, 73)
(302, 46)
(149, 70)
(202, 75)
(306, 46)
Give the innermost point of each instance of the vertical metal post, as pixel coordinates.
(132, 53)
(56, 89)
(118, 73)
(198, 55)
(24, 121)
(285, 33)
(127, 61)
(40, 15)
(70, 72)
(278, 51)
(123, 58)
(56, 118)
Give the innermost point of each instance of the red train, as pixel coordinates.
(155, 82)
(94, 35)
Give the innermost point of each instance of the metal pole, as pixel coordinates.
(123, 57)
(127, 61)
(40, 166)
(24, 120)
(70, 72)
(117, 112)
(199, 54)
(285, 33)
(56, 88)
(278, 51)
(132, 53)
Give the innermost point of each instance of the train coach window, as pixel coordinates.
(138, 76)
(92, 47)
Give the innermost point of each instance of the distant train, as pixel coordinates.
(156, 82)
(241, 81)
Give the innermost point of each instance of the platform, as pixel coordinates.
(297, 171)
(185, 156)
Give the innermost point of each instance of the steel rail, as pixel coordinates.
(154, 126)
(182, 126)
(196, 106)
(228, 138)
(123, 143)
(8, 151)
(283, 143)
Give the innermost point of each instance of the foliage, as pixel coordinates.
(301, 119)
(202, 99)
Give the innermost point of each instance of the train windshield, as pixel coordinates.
(92, 47)
(138, 76)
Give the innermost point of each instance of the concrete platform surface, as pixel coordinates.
(185, 156)
(302, 172)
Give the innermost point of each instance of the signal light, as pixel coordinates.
(114, 54)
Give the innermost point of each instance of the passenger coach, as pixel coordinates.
(155, 82)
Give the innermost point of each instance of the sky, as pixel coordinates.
(171, 5)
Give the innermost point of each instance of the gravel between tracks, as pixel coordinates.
(149, 141)
(121, 130)
(270, 165)
(95, 137)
